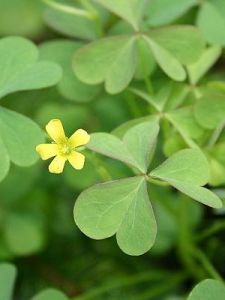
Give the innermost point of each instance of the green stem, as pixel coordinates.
(123, 282)
(210, 231)
(216, 134)
(162, 288)
(69, 9)
(157, 182)
(133, 107)
(206, 263)
(100, 167)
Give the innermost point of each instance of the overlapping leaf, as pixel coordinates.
(20, 68)
(62, 52)
(136, 148)
(188, 170)
(119, 207)
(18, 138)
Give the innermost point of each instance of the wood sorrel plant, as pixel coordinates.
(145, 55)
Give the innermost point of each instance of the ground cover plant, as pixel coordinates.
(112, 143)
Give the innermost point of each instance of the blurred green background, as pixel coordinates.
(38, 233)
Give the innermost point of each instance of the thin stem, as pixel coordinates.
(216, 134)
(100, 167)
(69, 9)
(210, 231)
(123, 282)
(206, 263)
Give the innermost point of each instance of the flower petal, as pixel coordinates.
(57, 165)
(47, 151)
(79, 138)
(77, 160)
(55, 130)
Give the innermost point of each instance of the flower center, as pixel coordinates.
(65, 149)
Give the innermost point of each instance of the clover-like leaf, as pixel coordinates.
(50, 294)
(136, 148)
(208, 289)
(18, 137)
(119, 207)
(163, 12)
(188, 170)
(209, 110)
(20, 68)
(7, 280)
(110, 60)
(62, 52)
(203, 64)
(130, 10)
(179, 41)
(214, 31)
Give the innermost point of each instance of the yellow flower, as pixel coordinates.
(63, 148)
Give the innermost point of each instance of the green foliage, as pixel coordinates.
(145, 79)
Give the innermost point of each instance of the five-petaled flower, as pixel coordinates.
(63, 148)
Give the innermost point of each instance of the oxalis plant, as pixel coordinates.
(172, 146)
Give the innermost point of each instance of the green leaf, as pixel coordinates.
(62, 52)
(167, 62)
(136, 148)
(188, 170)
(20, 68)
(23, 235)
(211, 21)
(7, 280)
(163, 12)
(208, 289)
(50, 294)
(4, 161)
(70, 25)
(209, 110)
(20, 136)
(110, 59)
(179, 41)
(13, 11)
(119, 207)
(198, 69)
(130, 10)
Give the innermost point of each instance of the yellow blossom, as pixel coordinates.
(63, 148)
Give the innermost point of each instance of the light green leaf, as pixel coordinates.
(130, 10)
(7, 280)
(136, 148)
(50, 294)
(162, 12)
(179, 41)
(70, 25)
(208, 289)
(198, 69)
(23, 235)
(188, 170)
(211, 21)
(20, 68)
(119, 207)
(110, 59)
(62, 52)
(167, 62)
(209, 110)
(20, 136)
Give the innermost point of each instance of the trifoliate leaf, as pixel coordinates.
(20, 68)
(188, 170)
(119, 207)
(62, 52)
(110, 60)
(136, 148)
